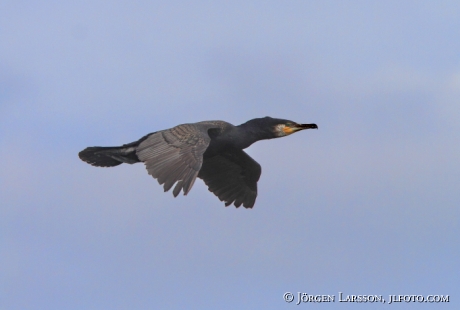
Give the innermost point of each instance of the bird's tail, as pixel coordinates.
(109, 156)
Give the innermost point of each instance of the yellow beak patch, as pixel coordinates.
(288, 130)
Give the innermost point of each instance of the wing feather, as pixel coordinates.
(232, 176)
(175, 156)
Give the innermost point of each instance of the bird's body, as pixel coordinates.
(210, 150)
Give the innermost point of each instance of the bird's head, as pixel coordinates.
(269, 128)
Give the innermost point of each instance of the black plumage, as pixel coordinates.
(209, 150)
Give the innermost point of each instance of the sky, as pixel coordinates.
(366, 205)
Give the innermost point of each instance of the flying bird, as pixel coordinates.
(209, 150)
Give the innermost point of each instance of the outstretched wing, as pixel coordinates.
(232, 176)
(175, 155)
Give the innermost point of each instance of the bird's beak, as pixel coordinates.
(298, 127)
(305, 126)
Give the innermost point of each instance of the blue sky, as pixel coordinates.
(367, 204)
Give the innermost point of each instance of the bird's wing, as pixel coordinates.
(232, 176)
(175, 155)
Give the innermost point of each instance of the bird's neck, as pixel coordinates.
(248, 134)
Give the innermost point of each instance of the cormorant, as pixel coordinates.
(210, 150)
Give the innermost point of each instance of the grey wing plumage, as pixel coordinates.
(232, 176)
(175, 155)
